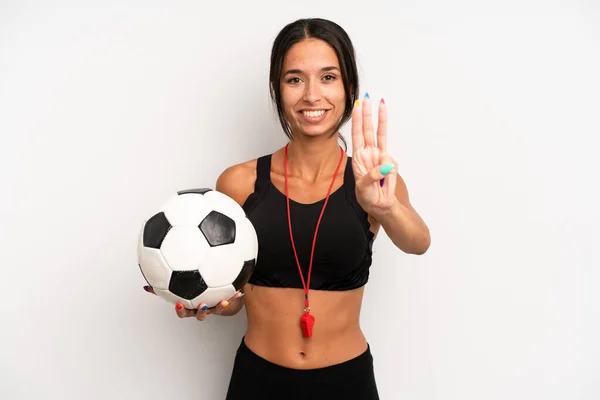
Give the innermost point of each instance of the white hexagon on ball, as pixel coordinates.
(225, 205)
(187, 210)
(184, 248)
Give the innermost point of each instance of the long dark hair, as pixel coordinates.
(337, 38)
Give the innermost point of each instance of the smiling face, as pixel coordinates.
(312, 90)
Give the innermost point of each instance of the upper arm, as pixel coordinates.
(238, 181)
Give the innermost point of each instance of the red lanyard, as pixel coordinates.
(307, 320)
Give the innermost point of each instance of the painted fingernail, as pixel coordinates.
(357, 103)
(147, 289)
(381, 182)
(179, 306)
(382, 101)
(385, 169)
(225, 303)
(204, 307)
(366, 95)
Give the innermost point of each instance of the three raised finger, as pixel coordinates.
(363, 132)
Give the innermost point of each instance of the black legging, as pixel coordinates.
(253, 377)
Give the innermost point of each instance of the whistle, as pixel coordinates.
(307, 321)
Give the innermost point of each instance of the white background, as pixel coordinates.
(107, 108)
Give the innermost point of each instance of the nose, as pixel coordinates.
(312, 92)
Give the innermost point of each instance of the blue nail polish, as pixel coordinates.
(204, 308)
(367, 95)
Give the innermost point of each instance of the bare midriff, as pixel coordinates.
(274, 332)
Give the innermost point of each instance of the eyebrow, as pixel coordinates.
(324, 69)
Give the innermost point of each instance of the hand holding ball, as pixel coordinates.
(198, 248)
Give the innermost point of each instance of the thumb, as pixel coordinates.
(376, 174)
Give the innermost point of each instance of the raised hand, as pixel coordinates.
(374, 169)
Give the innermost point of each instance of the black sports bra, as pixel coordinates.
(343, 251)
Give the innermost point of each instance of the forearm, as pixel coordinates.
(405, 228)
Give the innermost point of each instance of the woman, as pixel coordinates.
(303, 302)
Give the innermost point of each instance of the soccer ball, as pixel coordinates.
(198, 248)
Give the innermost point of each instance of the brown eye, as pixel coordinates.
(294, 80)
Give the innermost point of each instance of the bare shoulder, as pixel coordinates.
(237, 181)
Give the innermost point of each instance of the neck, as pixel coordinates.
(311, 160)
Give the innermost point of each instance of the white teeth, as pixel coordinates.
(313, 114)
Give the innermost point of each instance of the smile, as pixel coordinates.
(313, 116)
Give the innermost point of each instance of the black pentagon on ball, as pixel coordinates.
(155, 230)
(218, 229)
(187, 284)
(194, 191)
(244, 274)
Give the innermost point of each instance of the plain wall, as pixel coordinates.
(107, 108)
